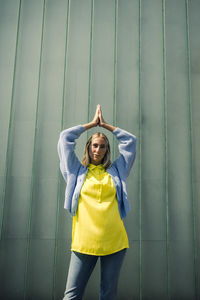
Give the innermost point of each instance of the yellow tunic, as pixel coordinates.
(97, 226)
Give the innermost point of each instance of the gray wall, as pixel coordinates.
(140, 59)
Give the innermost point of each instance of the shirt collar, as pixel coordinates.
(92, 167)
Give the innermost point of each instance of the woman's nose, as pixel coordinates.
(98, 149)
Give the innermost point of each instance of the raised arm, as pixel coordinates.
(69, 162)
(127, 151)
(127, 146)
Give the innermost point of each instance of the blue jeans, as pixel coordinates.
(81, 267)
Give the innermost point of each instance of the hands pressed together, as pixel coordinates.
(98, 117)
(98, 120)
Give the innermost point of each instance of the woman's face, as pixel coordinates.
(97, 150)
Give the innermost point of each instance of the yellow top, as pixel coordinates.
(97, 226)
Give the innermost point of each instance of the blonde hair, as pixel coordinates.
(106, 162)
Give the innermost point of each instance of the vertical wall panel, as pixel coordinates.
(9, 13)
(194, 46)
(154, 283)
(153, 228)
(140, 60)
(180, 196)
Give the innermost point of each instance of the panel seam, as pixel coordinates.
(115, 73)
(191, 147)
(165, 143)
(140, 152)
(90, 61)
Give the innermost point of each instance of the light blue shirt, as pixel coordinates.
(74, 172)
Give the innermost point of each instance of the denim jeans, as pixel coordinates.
(81, 267)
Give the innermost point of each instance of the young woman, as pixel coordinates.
(96, 196)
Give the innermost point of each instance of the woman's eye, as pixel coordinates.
(96, 145)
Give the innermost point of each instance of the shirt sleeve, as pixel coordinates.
(69, 162)
(127, 151)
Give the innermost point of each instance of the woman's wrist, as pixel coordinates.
(104, 125)
(89, 125)
(108, 126)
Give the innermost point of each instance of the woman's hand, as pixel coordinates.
(95, 122)
(102, 122)
(101, 119)
(96, 119)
